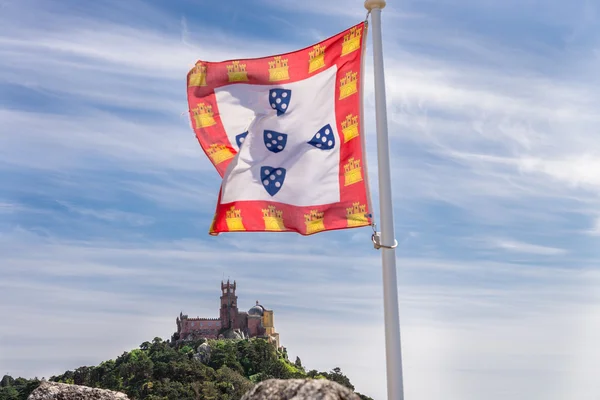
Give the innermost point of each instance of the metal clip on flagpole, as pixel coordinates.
(376, 239)
(385, 240)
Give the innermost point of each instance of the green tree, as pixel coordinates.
(9, 393)
(237, 384)
(336, 375)
(164, 370)
(145, 345)
(7, 381)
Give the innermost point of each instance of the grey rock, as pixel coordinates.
(234, 334)
(203, 353)
(299, 389)
(63, 391)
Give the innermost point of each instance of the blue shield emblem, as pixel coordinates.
(274, 141)
(279, 99)
(272, 179)
(239, 139)
(324, 139)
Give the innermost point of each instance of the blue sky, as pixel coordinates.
(106, 196)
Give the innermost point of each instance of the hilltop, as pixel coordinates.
(190, 370)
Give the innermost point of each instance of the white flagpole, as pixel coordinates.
(386, 241)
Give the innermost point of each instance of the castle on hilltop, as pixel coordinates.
(232, 323)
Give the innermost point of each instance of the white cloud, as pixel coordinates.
(332, 8)
(110, 215)
(8, 208)
(580, 170)
(595, 230)
(50, 141)
(522, 247)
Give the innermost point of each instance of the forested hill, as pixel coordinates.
(162, 370)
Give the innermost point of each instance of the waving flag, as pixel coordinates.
(285, 134)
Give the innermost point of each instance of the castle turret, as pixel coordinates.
(229, 310)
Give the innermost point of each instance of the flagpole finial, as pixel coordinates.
(372, 4)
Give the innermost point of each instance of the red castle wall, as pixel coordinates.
(205, 327)
(253, 326)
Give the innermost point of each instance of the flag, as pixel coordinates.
(285, 134)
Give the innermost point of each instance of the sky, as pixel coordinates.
(106, 196)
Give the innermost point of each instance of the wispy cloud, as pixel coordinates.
(110, 215)
(7, 208)
(595, 230)
(522, 247)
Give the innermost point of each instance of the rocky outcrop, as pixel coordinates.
(234, 334)
(203, 353)
(299, 389)
(63, 391)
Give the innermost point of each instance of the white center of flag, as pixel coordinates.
(291, 151)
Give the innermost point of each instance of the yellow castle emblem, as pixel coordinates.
(348, 85)
(198, 75)
(273, 219)
(233, 217)
(237, 72)
(203, 115)
(212, 224)
(350, 127)
(314, 221)
(316, 58)
(357, 215)
(352, 172)
(351, 41)
(278, 69)
(219, 153)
